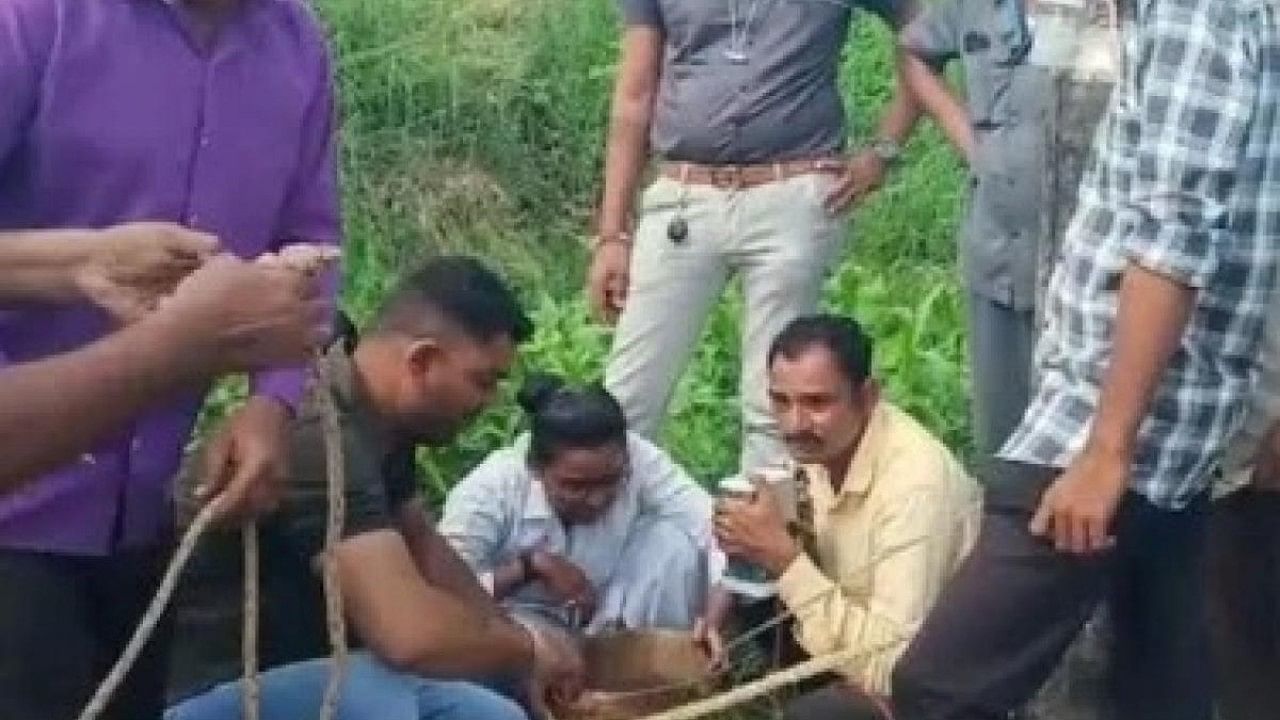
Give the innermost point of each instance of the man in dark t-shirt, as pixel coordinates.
(432, 359)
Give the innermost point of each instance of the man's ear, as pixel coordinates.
(422, 353)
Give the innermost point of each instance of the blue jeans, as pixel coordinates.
(370, 691)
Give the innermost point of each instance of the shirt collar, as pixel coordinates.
(862, 466)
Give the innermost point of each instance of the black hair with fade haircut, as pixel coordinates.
(463, 292)
(841, 336)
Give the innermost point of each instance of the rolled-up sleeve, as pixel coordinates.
(1190, 107)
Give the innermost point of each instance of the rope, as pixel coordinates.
(155, 610)
(251, 699)
(767, 684)
(333, 596)
(335, 619)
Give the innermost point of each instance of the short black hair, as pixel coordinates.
(565, 417)
(463, 292)
(841, 336)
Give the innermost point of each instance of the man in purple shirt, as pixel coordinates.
(214, 114)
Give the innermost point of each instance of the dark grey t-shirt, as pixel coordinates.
(207, 610)
(747, 81)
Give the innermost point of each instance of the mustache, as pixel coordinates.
(801, 438)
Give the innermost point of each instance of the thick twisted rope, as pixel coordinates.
(155, 610)
(251, 701)
(335, 620)
(766, 685)
(336, 482)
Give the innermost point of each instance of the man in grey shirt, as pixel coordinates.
(737, 100)
(1001, 135)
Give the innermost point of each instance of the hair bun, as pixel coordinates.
(538, 388)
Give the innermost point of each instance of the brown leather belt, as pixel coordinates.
(741, 177)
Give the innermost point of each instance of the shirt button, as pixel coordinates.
(88, 459)
(193, 218)
(136, 445)
(204, 141)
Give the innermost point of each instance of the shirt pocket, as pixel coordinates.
(1006, 183)
(990, 70)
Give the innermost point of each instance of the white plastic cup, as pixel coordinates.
(742, 577)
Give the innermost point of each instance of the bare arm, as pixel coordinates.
(930, 90)
(903, 111)
(41, 265)
(627, 150)
(418, 627)
(52, 409)
(125, 268)
(1152, 314)
(865, 171)
(437, 562)
(625, 156)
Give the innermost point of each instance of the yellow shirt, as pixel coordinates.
(904, 519)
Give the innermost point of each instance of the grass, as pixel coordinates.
(477, 127)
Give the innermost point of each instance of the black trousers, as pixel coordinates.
(64, 622)
(1006, 618)
(1244, 603)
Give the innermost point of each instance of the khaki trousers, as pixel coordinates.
(776, 236)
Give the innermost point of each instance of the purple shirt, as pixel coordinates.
(110, 114)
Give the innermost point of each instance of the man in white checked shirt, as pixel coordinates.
(1145, 364)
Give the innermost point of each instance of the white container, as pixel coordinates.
(742, 577)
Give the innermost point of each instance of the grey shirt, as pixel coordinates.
(1008, 105)
(748, 81)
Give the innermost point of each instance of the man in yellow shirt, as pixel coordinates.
(893, 514)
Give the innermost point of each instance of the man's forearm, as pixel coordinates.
(1151, 316)
(903, 111)
(41, 265)
(931, 92)
(437, 561)
(625, 157)
(418, 626)
(53, 409)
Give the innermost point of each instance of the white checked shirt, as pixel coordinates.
(1185, 181)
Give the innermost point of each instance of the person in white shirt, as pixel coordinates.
(581, 523)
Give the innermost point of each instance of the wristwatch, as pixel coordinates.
(886, 149)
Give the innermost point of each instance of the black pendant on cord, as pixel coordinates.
(677, 229)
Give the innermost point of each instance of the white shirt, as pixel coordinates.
(501, 509)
